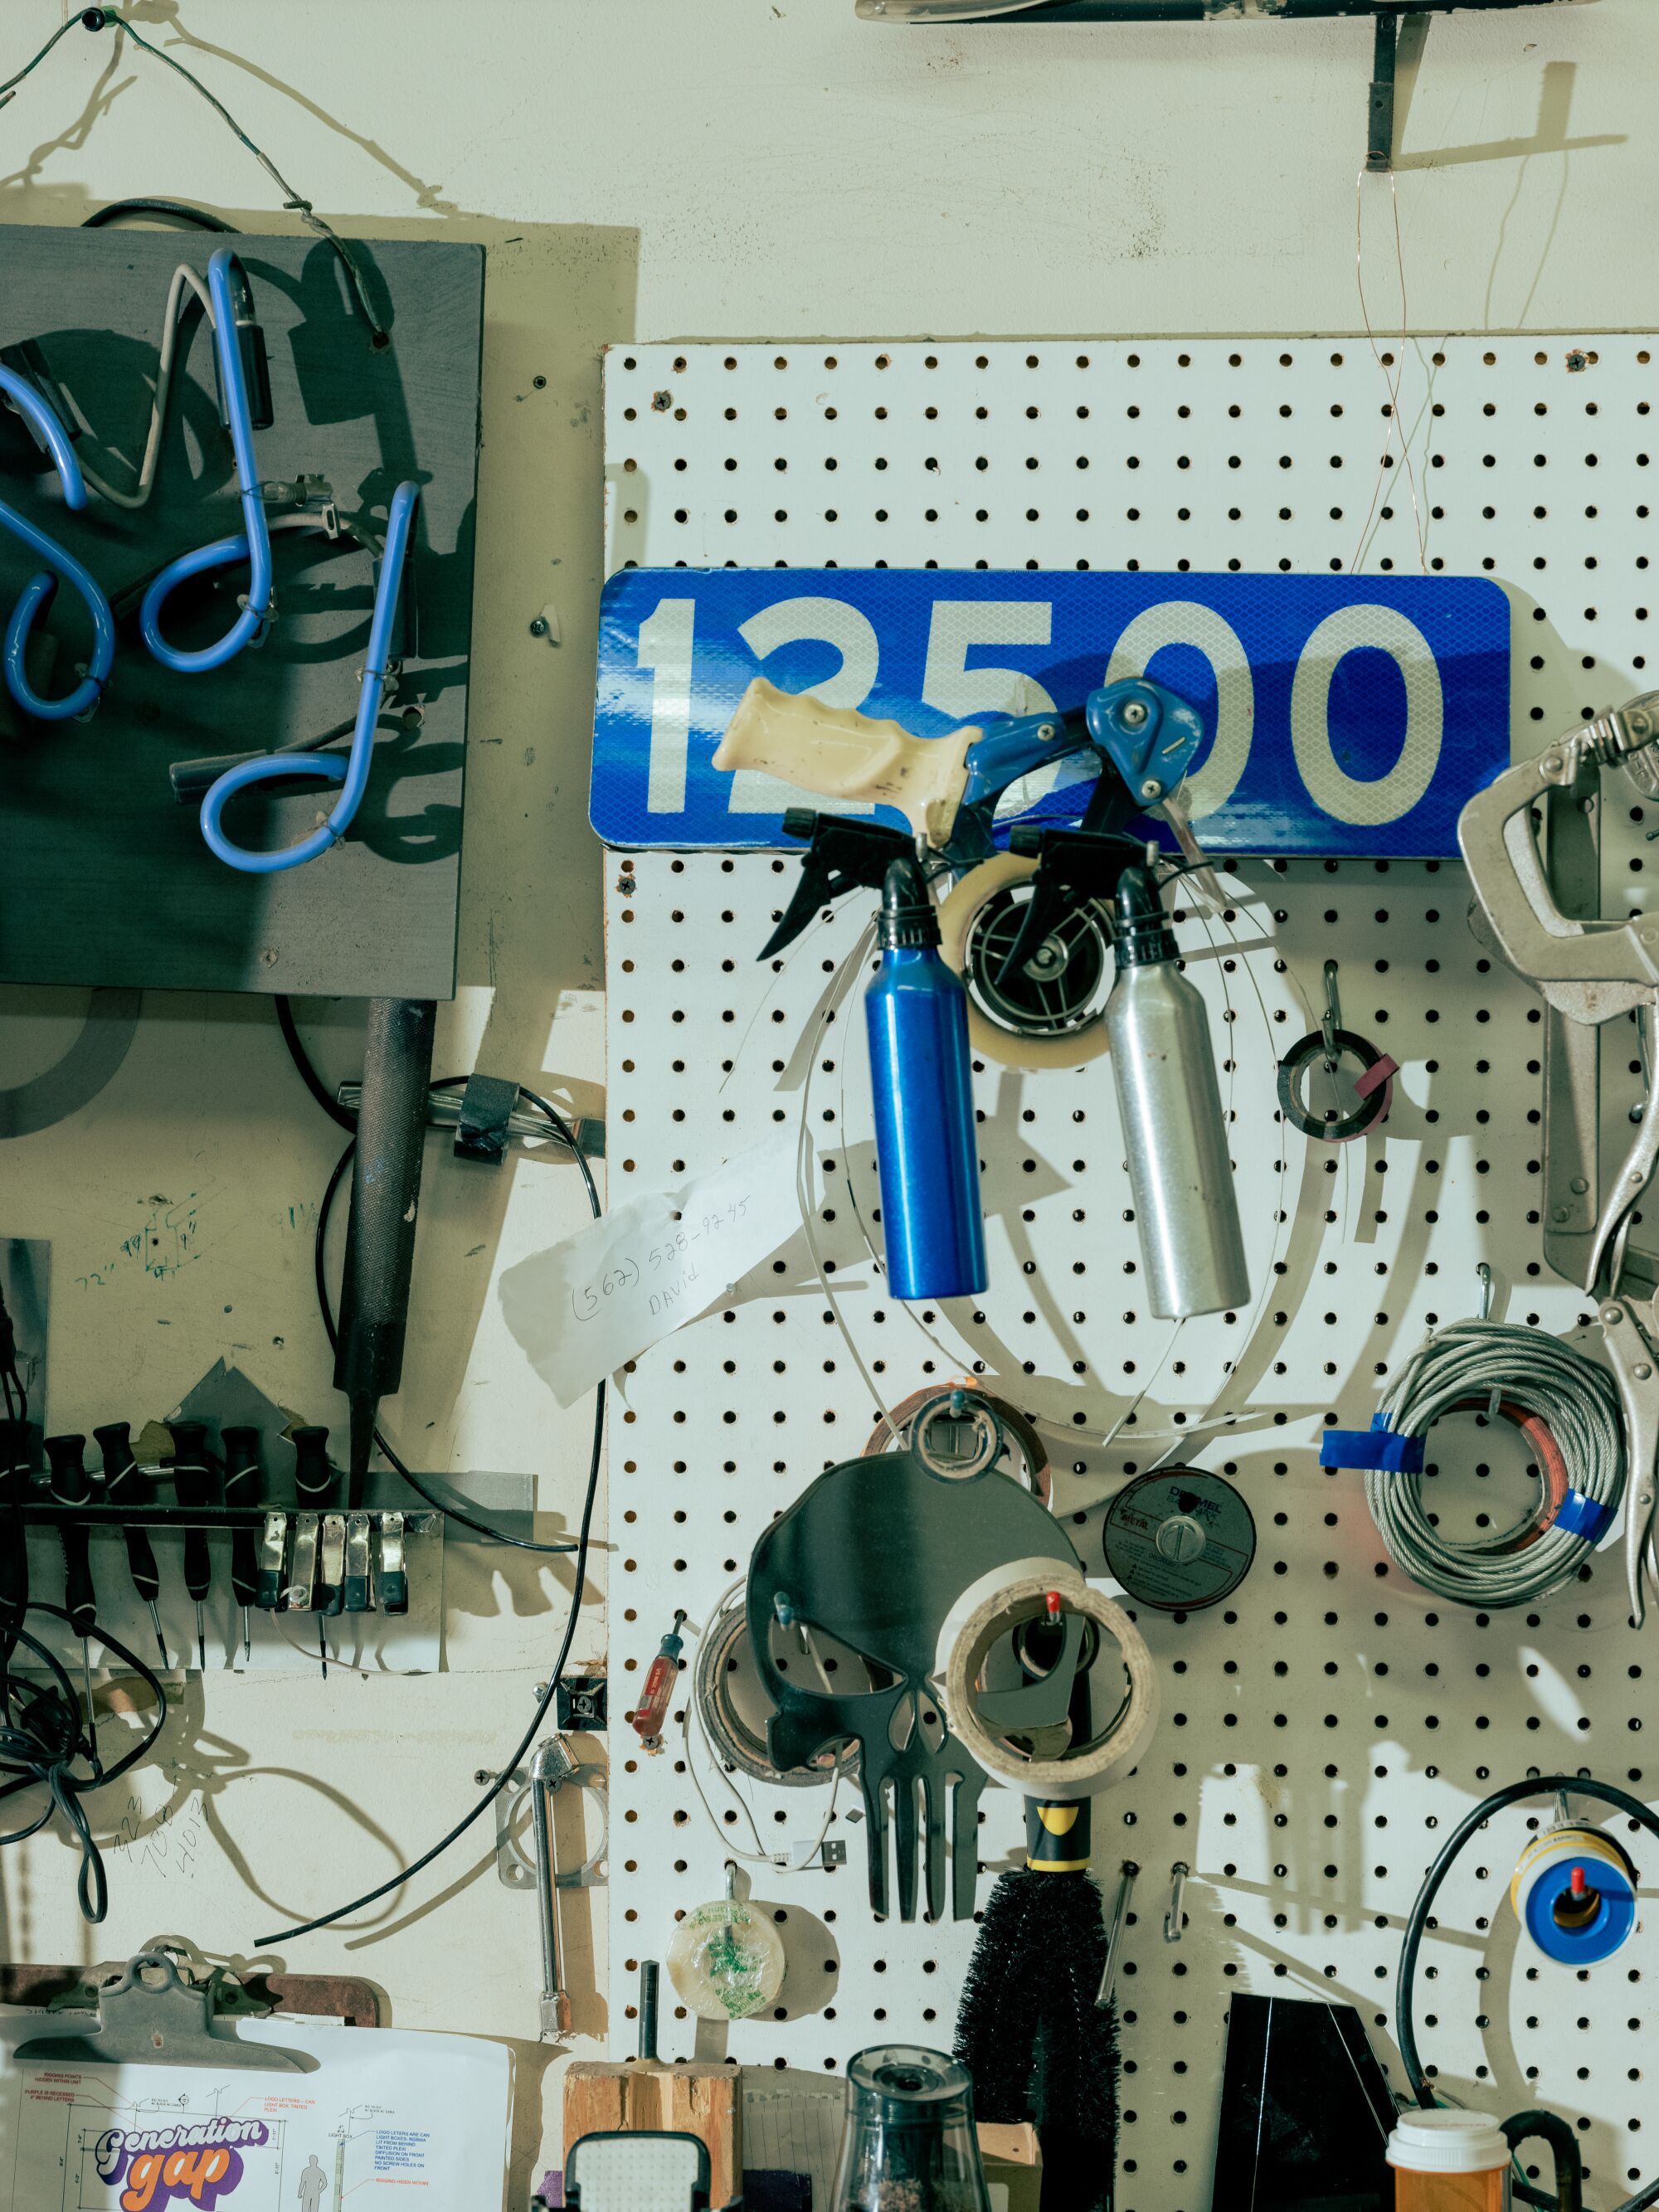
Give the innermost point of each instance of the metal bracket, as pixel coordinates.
(583, 1703)
(514, 1868)
(1379, 144)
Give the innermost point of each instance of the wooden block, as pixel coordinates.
(689, 2099)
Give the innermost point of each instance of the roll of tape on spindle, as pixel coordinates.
(1004, 1600)
(1574, 1892)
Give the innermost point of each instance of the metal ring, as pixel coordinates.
(1018, 1436)
(734, 1742)
(587, 1874)
(1376, 1098)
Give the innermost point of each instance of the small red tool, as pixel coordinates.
(653, 1708)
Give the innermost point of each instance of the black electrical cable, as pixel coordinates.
(102, 19)
(191, 217)
(542, 1706)
(544, 1703)
(308, 1075)
(1549, 1785)
(41, 1735)
(324, 1306)
(557, 1122)
(346, 1120)
(13, 1388)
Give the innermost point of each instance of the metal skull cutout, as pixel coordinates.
(876, 1554)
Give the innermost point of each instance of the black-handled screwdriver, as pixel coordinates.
(242, 1486)
(314, 1478)
(14, 1543)
(127, 1486)
(192, 1486)
(71, 1484)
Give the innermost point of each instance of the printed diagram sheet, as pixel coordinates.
(383, 2119)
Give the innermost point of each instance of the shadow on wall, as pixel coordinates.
(531, 924)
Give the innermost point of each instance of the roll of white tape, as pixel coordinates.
(993, 1608)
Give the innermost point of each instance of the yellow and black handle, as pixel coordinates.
(1059, 1835)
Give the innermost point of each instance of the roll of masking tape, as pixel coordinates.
(1046, 1761)
(957, 913)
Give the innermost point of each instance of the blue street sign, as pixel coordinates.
(1344, 715)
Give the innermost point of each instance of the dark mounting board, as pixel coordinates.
(104, 879)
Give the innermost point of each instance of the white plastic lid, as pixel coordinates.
(1448, 2142)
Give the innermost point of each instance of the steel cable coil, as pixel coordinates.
(1568, 1409)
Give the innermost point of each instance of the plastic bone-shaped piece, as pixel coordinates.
(38, 594)
(1142, 738)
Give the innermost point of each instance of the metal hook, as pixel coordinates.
(1485, 1274)
(1114, 1932)
(1174, 1918)
(1331, 1020)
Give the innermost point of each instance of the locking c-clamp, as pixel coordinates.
(1590, 972)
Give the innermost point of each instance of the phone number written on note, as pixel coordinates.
(674, 1252)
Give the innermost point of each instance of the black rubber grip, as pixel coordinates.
(386, 1191)
(14, 1548)
(14, 1481)
(314, 1476)
(192, 1484)
(72, 1485)
(126, 1485)
(242, 1487)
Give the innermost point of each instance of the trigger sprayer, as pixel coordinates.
(920, 1067)
(916, 1010)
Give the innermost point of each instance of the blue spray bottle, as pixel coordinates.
(921, 1071)
(915, 1011)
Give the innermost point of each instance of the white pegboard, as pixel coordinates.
(1326, 1727)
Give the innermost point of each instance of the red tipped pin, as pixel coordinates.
(1578, 1885)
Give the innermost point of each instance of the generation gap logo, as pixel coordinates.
(197, 2162)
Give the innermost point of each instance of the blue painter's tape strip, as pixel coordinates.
(1376, 1450)
(1583, 1516)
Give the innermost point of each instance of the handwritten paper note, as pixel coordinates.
(602, 1297)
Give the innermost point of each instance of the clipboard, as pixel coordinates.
(149, 2014)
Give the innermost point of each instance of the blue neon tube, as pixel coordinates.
(38, 594)
(227, 288)
(352, 772)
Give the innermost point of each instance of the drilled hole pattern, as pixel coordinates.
(1325, 1727)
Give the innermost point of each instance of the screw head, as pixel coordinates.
(539, 626)
(1133, 714)
(1152, 788)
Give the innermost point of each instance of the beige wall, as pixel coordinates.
(650, 168)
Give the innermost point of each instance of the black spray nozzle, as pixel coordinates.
(906, 912)
(1075, 867)
(840, 856)
(1143, 937)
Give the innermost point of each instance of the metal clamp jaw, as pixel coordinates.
(1592, 972)
(1630, 1333)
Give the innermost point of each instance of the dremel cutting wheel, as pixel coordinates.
(1180, 1539)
